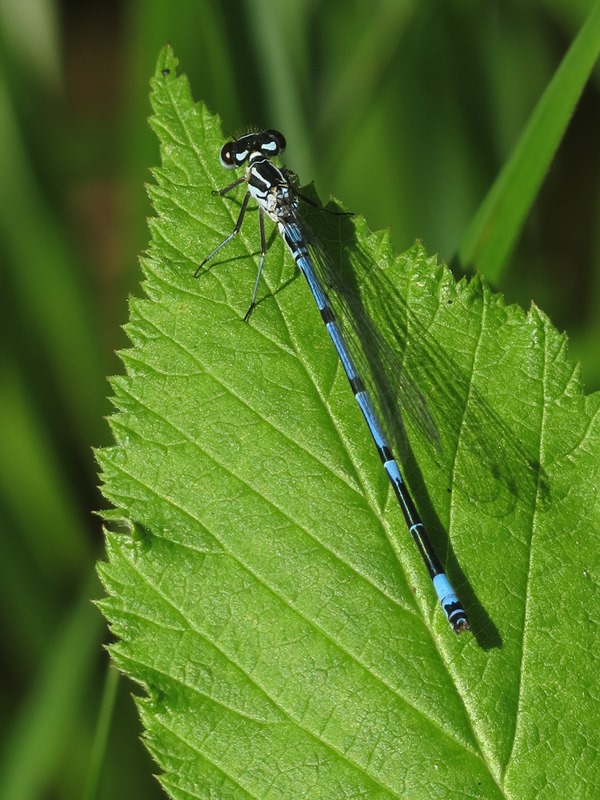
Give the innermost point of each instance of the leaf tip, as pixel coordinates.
(166, 63)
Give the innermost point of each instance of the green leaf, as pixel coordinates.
(268, 597)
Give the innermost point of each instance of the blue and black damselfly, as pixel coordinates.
(277, 199)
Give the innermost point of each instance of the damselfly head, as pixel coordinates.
(269, 143)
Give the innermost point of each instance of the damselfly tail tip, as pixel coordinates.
(457, 618)
(455, 613)
(461, 625)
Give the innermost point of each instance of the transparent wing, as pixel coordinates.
(416, 386)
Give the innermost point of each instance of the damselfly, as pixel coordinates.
(277, 199)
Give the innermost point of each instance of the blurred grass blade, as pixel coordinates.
(40, 736)
(47, 279)
(496, 226)
(46, 511)
(105, 717)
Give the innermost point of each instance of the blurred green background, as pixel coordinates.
(404, 109)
